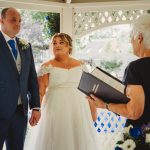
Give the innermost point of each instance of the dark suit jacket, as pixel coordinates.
(13, 84)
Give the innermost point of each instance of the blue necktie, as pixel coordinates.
(12, 45)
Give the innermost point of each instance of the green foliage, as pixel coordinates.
(148, 11)
(51, 22)
(120, 142)
(110, 65)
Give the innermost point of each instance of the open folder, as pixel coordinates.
(103, 85)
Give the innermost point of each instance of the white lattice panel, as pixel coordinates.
(108, 122)
(108, 141)
(85, 22)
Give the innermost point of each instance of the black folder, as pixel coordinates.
(90, 84)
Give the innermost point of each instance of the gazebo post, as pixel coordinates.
(67, 20)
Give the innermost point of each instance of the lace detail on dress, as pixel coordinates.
(44, 70)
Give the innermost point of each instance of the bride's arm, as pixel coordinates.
(93, 111)
(43, 83)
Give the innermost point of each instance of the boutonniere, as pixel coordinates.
(24, 44)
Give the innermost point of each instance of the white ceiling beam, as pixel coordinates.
(68, 1)
(43, 6)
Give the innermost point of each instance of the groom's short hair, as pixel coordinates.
(3, 12)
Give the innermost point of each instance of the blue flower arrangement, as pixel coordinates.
(134, 138)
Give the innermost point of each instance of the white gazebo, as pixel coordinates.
(76, 15)
(81, 17)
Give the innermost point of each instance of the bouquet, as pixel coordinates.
(134, 138)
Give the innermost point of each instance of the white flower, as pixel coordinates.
(119, 137)
(22, 41)
(128, 145)
(147, 140)
(127, 129)
(24, 44)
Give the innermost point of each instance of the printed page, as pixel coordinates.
(109, 80)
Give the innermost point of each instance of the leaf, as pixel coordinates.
(120, 142)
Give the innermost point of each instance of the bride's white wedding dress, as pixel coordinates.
(66, 122)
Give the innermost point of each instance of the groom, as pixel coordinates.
(18, 83)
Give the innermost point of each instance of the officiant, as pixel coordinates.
(136, 78)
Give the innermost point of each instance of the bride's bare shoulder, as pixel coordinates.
(48, 63)
(77, 62)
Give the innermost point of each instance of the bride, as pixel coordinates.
(66, 121)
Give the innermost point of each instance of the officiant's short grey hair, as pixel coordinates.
(142, 26)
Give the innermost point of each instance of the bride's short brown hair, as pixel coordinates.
(65, 38)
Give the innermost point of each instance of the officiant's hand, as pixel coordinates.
(35, 117)
(93, 109)
(99, 103)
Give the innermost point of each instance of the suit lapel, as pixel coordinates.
(6, 51)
